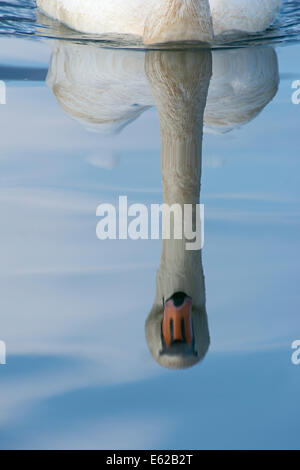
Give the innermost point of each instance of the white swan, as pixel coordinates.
(106, 89)
(177, 327)
(158, 21)
(192, 89)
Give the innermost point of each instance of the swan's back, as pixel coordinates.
(129, 16)
(100, 16)
(243, 15)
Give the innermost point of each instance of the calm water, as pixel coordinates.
(79, 372)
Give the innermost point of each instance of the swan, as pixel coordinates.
(192, 90)
(176, 329)
(162, 21)
(106, 89)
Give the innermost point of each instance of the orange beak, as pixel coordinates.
(177, 322)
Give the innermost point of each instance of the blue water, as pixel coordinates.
(79, 374)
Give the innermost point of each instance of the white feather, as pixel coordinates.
(130, 16)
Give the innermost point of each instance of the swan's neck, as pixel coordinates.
(179, 20)
(179, 83)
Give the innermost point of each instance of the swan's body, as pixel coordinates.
(105, 89)
(163, 20)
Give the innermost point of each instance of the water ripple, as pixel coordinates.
(21, 18)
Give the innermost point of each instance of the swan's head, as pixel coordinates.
(179, 20)
(177, 332)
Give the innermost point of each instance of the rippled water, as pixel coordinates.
(20, 18)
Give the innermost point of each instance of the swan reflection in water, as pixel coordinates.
(214, 91)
